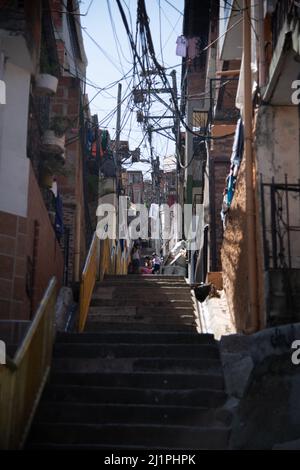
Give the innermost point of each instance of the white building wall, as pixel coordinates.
(277, 150)
(14, 164)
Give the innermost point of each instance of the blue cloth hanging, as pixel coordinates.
(59, 224)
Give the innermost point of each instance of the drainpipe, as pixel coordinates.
(252, 314)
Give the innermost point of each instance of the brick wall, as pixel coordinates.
(41, 243)
(26, 243)
(67, 103)
(12, 265)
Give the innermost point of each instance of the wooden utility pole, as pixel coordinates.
(118, 126)
(117, 159)
(177, 137)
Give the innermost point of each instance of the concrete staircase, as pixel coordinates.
(139, 377)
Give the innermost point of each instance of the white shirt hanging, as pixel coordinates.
(181, 46)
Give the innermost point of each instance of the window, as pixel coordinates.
(73, 30)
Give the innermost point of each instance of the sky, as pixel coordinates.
(111, 59)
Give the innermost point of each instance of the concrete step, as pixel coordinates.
(144, 296)
(140, 318)
(77, 413)
(153, 436)
(88, 394)
(97, 326)
(137, 338)
(141, 303)
(142, 277)
(147, 380)
(145, 284)
(139, 310)
(174, 365)
(123, 350)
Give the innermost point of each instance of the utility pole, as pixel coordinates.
(176, 132)
(118, 128)
(117, 156)
(176, 126)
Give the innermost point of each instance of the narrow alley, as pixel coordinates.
(149, 227)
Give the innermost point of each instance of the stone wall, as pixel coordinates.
(234, 254)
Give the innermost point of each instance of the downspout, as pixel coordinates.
(251, 324)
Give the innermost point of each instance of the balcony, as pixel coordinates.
(12, 16)
(284, 66)
(20, 30)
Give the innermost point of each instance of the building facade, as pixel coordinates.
(249, 83)
(42, 231)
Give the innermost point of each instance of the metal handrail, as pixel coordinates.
(88, 279)
(103, 258)
(23, 378)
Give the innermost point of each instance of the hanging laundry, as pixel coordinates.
(181, 46)
(104, 140)
(238, 144)
(91, 135)
(230, 188)
(154, 211)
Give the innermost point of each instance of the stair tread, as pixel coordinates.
(138, 425)
(155, 337)
(154, 379)
(137, 413)
(129, 434)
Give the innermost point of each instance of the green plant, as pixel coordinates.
(59, 124)
(46, 64)
(54, 165)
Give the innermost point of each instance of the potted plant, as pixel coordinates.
(53, 141)
(46, 81)
(51, 166)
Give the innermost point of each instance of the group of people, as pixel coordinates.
(151, 264)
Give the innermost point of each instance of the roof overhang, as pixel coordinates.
(284, 68)
(231, 30)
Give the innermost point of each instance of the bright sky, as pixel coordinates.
(113, 59)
